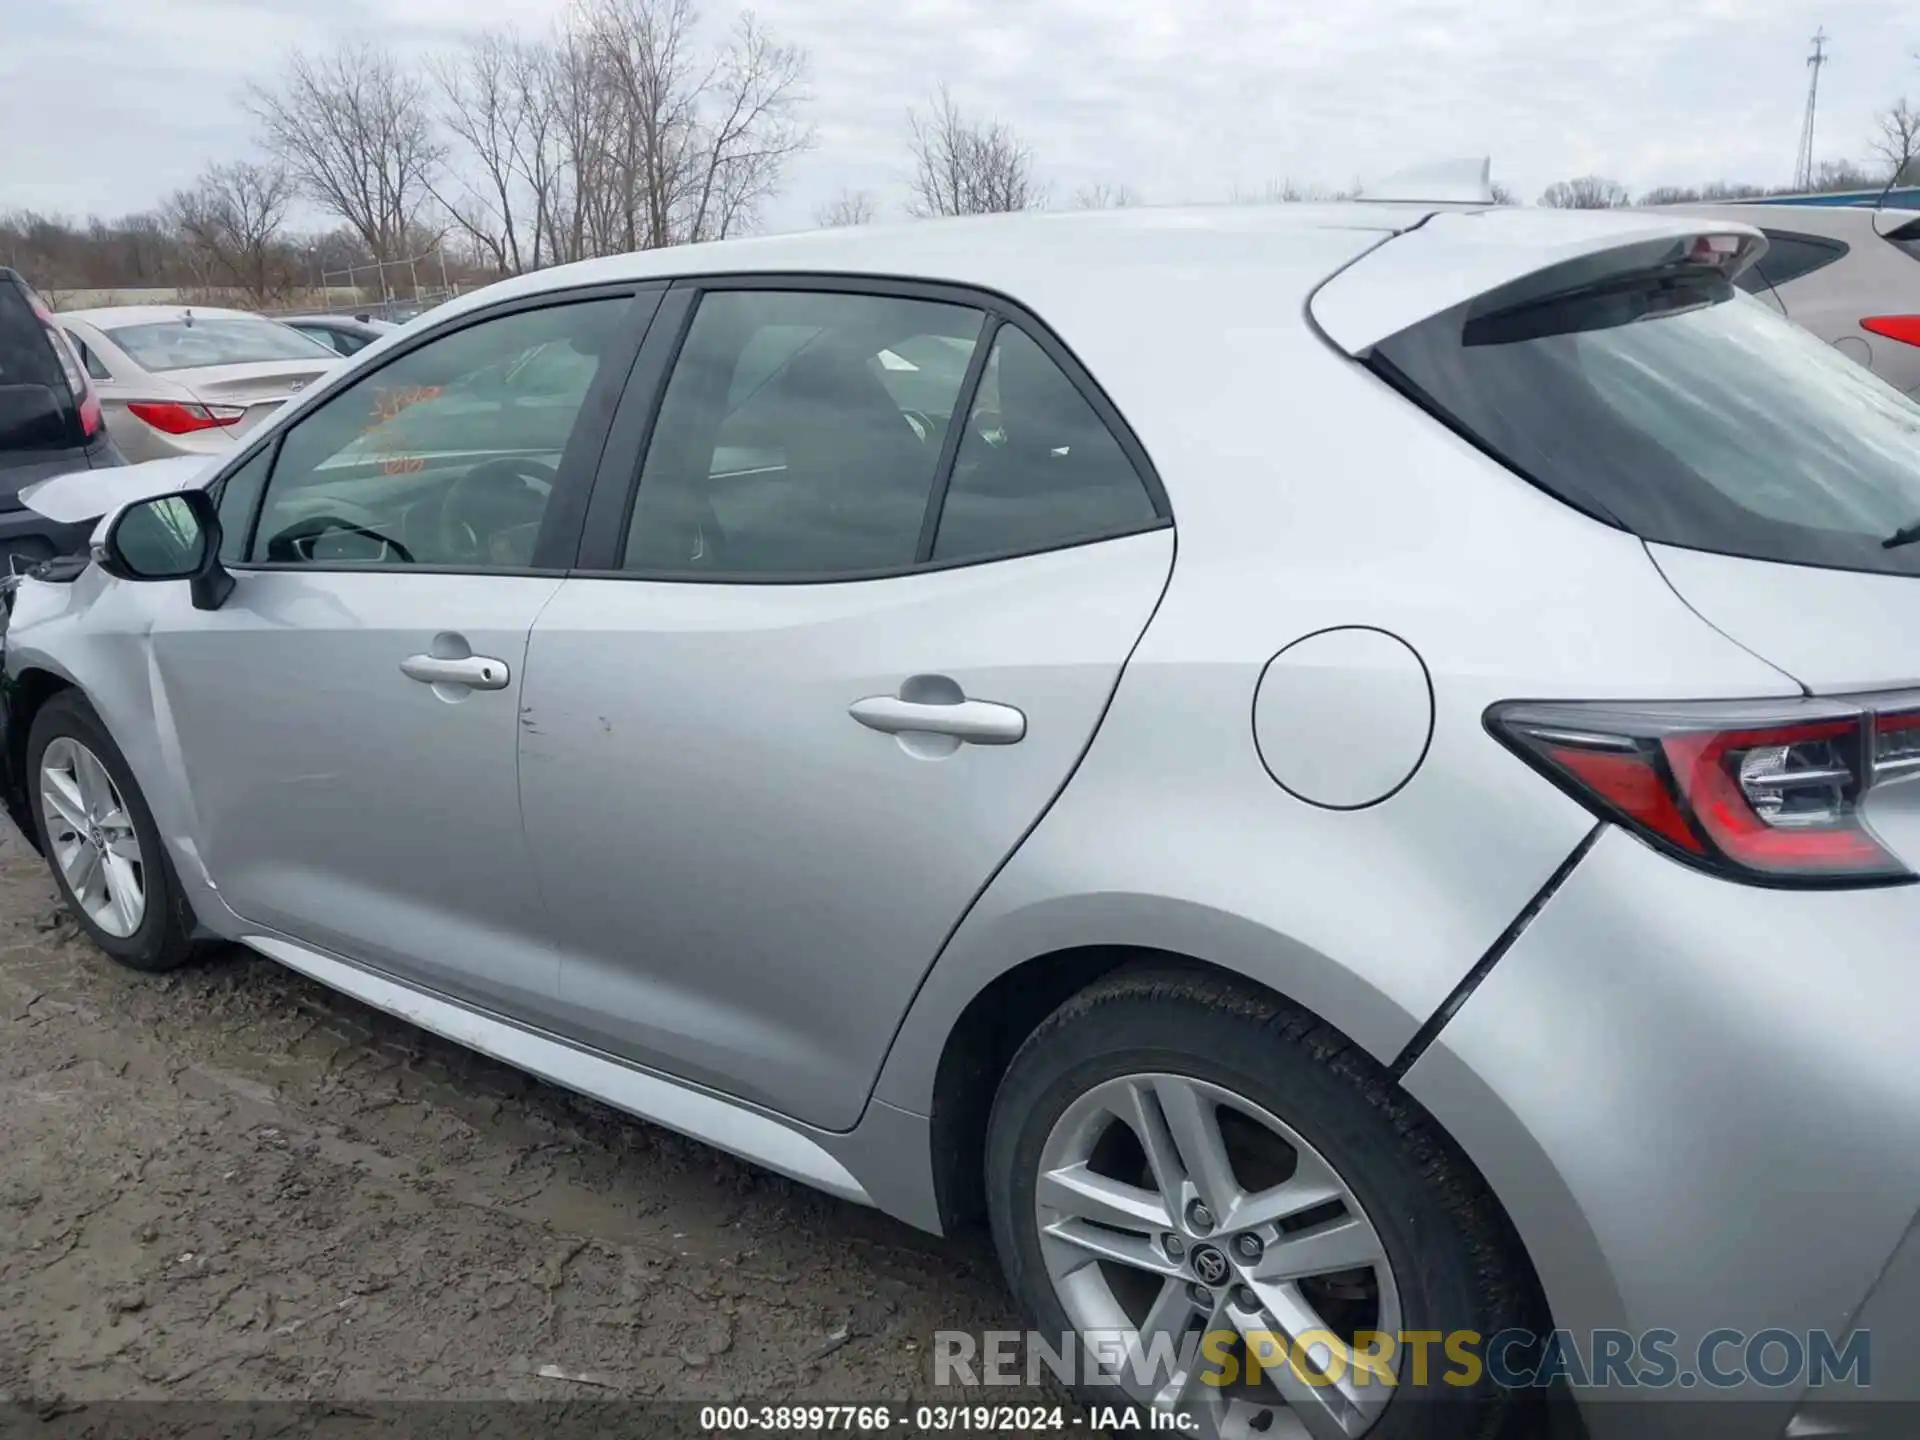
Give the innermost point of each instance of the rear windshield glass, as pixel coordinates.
(178, 345)
(1683, 411)
(26, 355)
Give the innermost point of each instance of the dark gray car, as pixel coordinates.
(50, 423)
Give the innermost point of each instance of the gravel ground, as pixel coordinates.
(230, 1184)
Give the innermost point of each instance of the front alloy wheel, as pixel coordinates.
(91, 837)
(100, 840)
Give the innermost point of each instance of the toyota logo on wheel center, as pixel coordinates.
(1209, 1264)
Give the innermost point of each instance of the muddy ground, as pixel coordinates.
(228, 1183)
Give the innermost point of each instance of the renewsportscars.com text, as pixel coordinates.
(1512, 1359)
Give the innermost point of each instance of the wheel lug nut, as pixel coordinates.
(1199, 1294)
(1244, 1297)
(1174, 1246)
(1200, 1217)
(1248, 1247)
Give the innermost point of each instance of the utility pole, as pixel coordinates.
(1803, 164)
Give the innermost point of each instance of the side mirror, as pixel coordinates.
(170, 537)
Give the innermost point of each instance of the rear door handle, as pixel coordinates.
(477, 672)
(978, 722)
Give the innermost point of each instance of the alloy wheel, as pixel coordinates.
(90, 833)
(1169, 1209)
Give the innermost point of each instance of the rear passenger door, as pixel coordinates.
(856, 589)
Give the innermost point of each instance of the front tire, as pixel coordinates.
(101, 842)
(1171, 1155)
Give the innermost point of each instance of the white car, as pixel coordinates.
(180, 380)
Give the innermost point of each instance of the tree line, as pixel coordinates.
(629, 126)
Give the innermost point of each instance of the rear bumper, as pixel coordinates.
(1700, 1102)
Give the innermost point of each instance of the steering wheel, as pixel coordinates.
(491, 500)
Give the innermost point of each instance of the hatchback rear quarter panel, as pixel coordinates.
(1309, 496)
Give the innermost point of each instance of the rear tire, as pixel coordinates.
(101, 842)
(1296, 1114)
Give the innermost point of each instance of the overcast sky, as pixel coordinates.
(106, 105)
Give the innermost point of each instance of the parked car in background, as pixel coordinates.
(1467, 884)
(348, 334)
(176, 380)
(1849, 274)
(50, 423)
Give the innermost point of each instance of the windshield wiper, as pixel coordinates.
(1905, 535)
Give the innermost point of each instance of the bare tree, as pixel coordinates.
(1897, 144)
(849, 207)
(1290, 192)
(499, 110)
(1588, 192)
(353, 129)
(1103, 196)
(669, 145)
(1503, 194)
(966, 167)
(231, 223)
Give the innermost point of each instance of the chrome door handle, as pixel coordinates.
(477, 672)
(979, 722)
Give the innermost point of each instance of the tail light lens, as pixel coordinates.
(1904, 328)
(91, 420)
(1769, 793)
(177, 419)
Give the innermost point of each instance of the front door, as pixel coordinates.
(350, 716)
(766, 769)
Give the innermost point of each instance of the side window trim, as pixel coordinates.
(956, 432)
(560, 528)
(616, 485)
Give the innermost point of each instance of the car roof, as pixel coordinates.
(1071, 265)
(996, 250)
(110, 315)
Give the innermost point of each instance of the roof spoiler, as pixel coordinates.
(1445, 182)
(1458, 256)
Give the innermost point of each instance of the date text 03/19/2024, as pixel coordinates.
(933, 1419)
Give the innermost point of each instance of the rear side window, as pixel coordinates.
(1794, 257)
(1682, 411)
(1906, 238)
(1037, 467)
(87, 358)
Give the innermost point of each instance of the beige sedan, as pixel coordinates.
(177, 380)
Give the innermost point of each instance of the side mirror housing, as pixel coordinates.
(168, 537)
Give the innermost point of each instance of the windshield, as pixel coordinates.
(1685, 412)
(238, 340)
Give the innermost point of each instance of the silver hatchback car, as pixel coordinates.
(1338, 772)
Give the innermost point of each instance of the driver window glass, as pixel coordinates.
(800, 434)
(1037, 467)
(445, 457)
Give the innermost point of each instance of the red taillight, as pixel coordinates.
(1765, 792)
(1904, 328)
(91, 420)
(177, 419)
